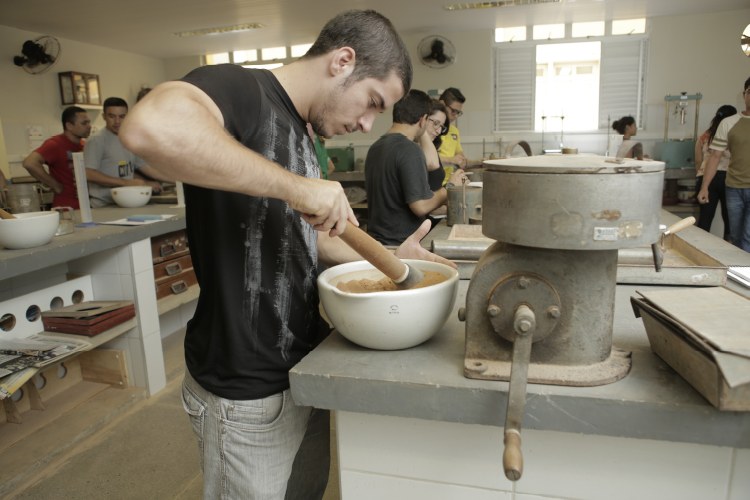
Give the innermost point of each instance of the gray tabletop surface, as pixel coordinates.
(427, 382)
(90, 239)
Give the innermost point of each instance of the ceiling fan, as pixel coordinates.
(38, 55)
(436, 51)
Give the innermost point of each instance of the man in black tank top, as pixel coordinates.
(259, 219)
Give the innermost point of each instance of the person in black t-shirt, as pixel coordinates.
(399, 197)
(259, 218)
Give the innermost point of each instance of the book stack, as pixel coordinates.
(88, 318)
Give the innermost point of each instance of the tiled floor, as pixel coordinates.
(148, 451)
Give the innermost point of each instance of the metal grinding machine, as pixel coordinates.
(540, 304)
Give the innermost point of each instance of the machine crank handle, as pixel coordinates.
(512, 456)
(524, 325)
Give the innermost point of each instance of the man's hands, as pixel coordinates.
(702, 195)
(323, 204)
(139, 181)
(412, 249)
(460, 160)
(458, 177)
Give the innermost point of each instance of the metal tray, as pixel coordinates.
(683, 265)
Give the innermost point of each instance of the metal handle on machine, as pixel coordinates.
(524, 324)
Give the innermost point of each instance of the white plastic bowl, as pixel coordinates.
(387, 320)
(131, 196)
(28, 230)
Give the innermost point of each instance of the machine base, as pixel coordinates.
(612, 369)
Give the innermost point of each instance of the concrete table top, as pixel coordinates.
(427, 382)
(88, 240)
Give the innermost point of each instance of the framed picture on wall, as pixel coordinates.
(66, 88)
(79, 88)
(92, 88)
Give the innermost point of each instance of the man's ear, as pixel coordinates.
(342, 61)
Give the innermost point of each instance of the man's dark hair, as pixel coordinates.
(451, 95)
(69, 114)
(379, 50)
(747, 84)
(142, 93)
(114, 102)
(411, 107)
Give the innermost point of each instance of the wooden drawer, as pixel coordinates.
(169, 245)
(172, 267)
(175, 285)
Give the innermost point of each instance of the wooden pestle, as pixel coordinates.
(6, 215)
(402, 274)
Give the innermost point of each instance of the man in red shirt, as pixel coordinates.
(57, 153)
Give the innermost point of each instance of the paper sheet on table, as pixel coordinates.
(468, 232)
(736, 369)
(134, 220)
(717, 315)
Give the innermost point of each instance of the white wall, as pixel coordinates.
(471, 73)
(35, 99)
(698, 53)
(177, 67)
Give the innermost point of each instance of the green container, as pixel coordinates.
(676, 154)
(342, 158)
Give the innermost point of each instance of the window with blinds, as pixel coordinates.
(620, 72)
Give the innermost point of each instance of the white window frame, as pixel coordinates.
(621, 81)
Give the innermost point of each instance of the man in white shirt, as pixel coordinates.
(109, 164)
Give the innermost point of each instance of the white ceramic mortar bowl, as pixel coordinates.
(387, 320)
(28, 230)
(131, 196)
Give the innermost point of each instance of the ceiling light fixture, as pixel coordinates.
(492, 5)
(221, 29)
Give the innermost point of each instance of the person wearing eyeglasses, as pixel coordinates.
(438, 124)
(733, 135)
(451, 153)
(399, 197)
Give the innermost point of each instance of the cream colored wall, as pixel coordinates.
(35, 99)
(696, 54)
(471, 72)
(177, 67)
(687, 53)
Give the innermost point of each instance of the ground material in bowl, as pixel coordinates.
(386, 284)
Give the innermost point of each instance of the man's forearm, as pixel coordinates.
(37, 172)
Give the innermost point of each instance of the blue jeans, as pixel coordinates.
(738, 206)
(264, 449)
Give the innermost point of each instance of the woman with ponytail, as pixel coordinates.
(716, 190)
